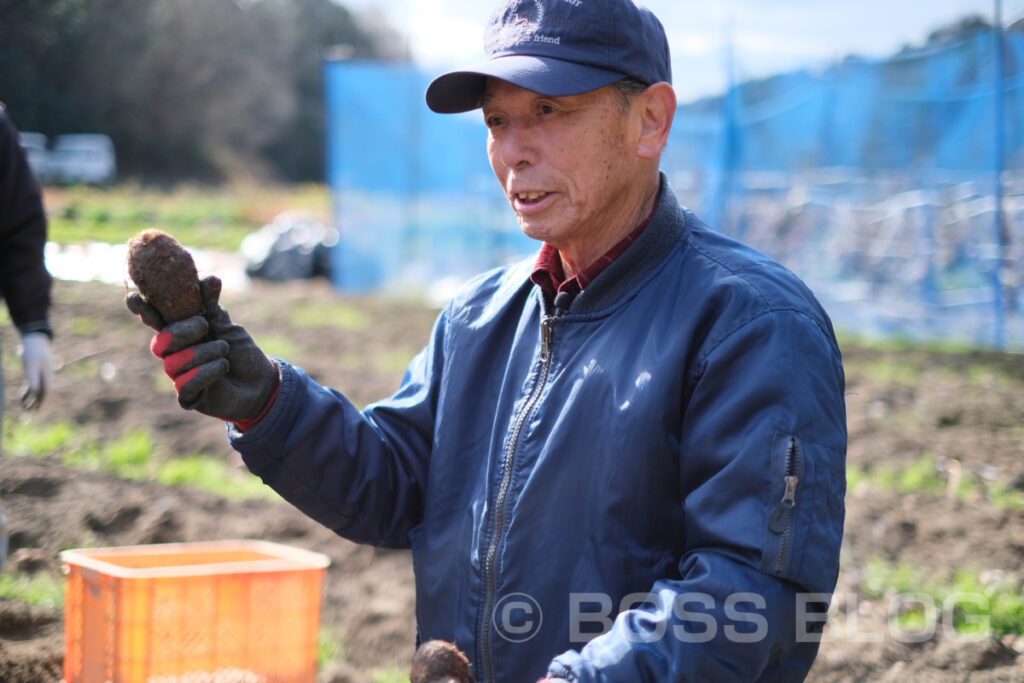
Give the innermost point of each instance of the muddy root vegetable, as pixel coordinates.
(165, 275)
(437, 661)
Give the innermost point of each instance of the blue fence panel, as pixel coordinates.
(414, 198)
(873, 179)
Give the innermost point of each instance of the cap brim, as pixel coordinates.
(463, 90)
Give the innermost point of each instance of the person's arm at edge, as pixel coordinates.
(24, 281)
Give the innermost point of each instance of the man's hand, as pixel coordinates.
(38, 363)
(216, 366)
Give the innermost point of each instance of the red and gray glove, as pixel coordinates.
(216, 366)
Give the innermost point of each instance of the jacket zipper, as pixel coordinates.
(546, 333)
(781, 521)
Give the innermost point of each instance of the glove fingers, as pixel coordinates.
(33, 397)
(192, 383)
(137, 305)
(35, 392)
(179, 335)
(182, 361)
(220, 321)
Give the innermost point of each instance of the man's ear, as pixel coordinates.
(656, 107)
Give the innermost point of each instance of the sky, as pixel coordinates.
(767, 36)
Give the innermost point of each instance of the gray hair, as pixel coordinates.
(626, 88)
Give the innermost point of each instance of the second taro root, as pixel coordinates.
(437, 661)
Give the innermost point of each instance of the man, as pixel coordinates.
(636, 439)
(24, 281)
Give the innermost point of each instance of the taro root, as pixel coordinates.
(437, 661)
(165, 275)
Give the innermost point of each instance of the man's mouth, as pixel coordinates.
(528, 197)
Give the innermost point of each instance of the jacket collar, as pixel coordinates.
(667, 226)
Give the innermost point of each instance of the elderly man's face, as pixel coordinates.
(567, 164)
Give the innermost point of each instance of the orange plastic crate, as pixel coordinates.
(223, 611)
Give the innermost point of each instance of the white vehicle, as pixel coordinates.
(82, 159)
(34, 145)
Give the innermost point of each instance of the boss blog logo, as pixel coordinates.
(591, 614)
(958, 617)
(517, 617)
(742, 618)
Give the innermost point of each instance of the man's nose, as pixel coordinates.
(518, 146)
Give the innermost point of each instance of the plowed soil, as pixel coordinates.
(964, 411)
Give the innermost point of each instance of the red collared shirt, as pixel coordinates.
(549, 275)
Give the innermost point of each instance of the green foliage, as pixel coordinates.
(987, 377)
(209, 474)
(979, 599)
(892, 372)
(884, 477)
(1007, 615)
(277, 345)
(1005, 610)
(84, 326)
(97, 215)
(882, 578)
(924, 477)
(913, 620)
(27, 439)
(848, 338)
(42, 588)
(1001, 495)
(79, 232)
(921, 477)
(328, 647)
(131, 456)
(393, 675)
(856, 477)
(335, 314)
(128, 456)
(196, 217)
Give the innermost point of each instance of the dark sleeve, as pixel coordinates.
(24, 281)
(359, 473)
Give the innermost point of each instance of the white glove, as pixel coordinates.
(38, 363)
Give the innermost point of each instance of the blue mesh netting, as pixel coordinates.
(874, 180)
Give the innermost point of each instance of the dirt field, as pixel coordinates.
(936, 456)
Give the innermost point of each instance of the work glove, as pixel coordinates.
(38, 363)
(216, 366)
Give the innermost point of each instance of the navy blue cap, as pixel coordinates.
(560, 47)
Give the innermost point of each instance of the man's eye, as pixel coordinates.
(493, 121)
(547, 109)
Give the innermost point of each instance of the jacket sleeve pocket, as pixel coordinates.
(805, 524)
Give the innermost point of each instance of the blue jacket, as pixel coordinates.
(670, 450)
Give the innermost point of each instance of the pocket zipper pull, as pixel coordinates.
(789, 497)
(779, 519)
